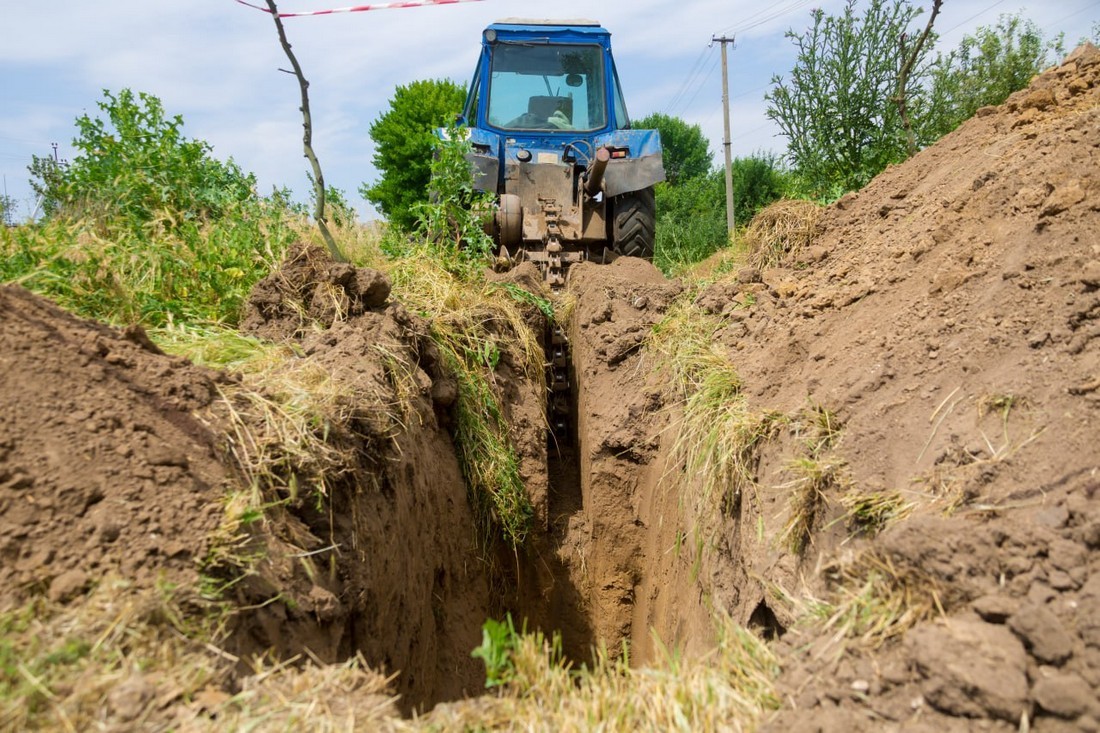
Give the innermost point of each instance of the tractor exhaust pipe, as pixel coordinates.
(594, 175)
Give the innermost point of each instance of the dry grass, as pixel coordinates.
(813, 479)
(476, 326)
(813, 475)
(729, 689)
(962, 475)
(291, 696)
(719, 435)
(288, 423)
(781, 231)
(874, 600)
(107, 658)
(129, 659)
(870, 512)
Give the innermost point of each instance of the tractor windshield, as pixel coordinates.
(547, 87)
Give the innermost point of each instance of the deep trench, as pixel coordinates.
(563, 581)
(567, 608)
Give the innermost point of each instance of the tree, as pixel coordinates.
(317, 178)
(7, 209)
(839, 109)
(685, 149)
(403, 146)
(136, 166)
(986, 67)
(758, 180)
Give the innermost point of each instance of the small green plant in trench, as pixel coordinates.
(498, 645)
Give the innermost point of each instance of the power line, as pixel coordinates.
(700, 61)
(696, 78)
(972, 17)
(768, 15)
(1071, 15)
(702, 83)
(23, 141)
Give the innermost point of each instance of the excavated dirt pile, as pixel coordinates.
(117, 460)
(949, 317)
(103, 467)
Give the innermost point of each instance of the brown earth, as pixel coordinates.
(103, 466)
(115, 462)
(389, 567)
(944, 325)
(951, 320)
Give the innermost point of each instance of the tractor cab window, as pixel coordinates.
(547, 87)
(622, 119)
(470, 110)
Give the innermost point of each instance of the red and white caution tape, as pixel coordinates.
(363, 8)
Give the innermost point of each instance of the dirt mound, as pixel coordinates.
(951, 326)
(103, 467)
(381, 558)
(114, 461)
(309, 289)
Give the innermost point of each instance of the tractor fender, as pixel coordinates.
(643, 167)
(485, 159)
(486, 170)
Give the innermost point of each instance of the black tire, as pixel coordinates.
(633, 223)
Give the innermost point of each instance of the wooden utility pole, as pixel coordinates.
(726, 141)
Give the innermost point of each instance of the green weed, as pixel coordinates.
(498, 644)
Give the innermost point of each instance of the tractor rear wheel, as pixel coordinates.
(633, 223)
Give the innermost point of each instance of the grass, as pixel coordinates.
(477, 325)
(69, 667)
(730, 688)
(814, 474)
(719, 434)
(960, 481)
(874, 600)
(192, 272)
(869, 513)
(813, 479)
(125, 658)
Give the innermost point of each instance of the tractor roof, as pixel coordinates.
(571, 29)
(546, 21)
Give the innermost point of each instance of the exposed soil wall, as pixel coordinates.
(389, 566)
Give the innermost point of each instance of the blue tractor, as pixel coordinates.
(551, 138)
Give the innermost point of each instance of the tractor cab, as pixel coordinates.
(550, 136)
(536, 76)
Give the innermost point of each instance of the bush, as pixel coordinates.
(691, 216)
(403, 137)
(194, 273)
(691, 221)
(136, 167)
(144, 226)
(986, 68)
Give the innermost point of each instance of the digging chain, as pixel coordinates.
(557, 345)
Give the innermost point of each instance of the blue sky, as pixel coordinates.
(216, 63)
